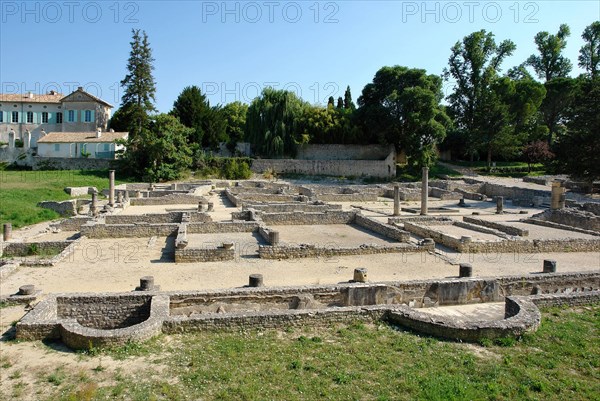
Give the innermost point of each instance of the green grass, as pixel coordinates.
(561, 361)
(20, 191)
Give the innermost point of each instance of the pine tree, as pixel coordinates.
(139, 96)
(340, 103)
(330, 102)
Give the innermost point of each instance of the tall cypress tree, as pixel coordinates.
(138, 98)
(348, 99)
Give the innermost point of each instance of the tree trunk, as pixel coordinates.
(489, 157)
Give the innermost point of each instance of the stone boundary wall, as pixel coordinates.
(44, 321)
(75, 163)
(312, 251)
(572, 217)
(303, 218)
(66, 208)
(505, 246)
(497, 226)
(193, 255)
(21, 249)
(470, 195)
(72, 224)
(290, 207)
(232, 198)
(444, 194)
(343, 152)
(180, 199)
(381, 228)
(550, 224)
(347, 197)
(222, 227)
(159, 218)
(98, 230)
(359, 168)
(492, 190)
(481, 229)
(267, 198)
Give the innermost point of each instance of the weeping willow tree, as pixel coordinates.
(272, 123)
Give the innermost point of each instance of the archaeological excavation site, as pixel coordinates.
(459, 259)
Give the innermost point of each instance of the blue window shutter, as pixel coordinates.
(93, 115)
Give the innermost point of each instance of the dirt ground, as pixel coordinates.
(116, 265)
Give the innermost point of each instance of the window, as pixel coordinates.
(59, 118)
(107, 147)
(30, 117)
(15, 117)
(57, 147)
(71, 116)
(88, 116)
(1, 117)
(45, 117)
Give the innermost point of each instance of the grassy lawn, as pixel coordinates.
(561, 361)
(20, 191)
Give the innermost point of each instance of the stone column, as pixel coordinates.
(360, 275)
(549, 266)
(111, 187)
(465, 270)
(211, 207)
(28, 289)
(146, 283)
(11, 139)
(424, 191)
(94, 205)
(27, 140)
(396, 200)
(500, 205)
(256, 280)
(557, 196)
(7, 233)
(274, 237)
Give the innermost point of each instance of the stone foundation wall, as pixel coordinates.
(72, 224)
(111, 313)
(192, 255)
(312, 251)
(21, 249)
(143, 230)
(550, 224)
(359, 168)
(291, 207)
(222, 227)
(173, 199)
(64, 208)
(381, 228)
(497, 226)
(573, 217)
(160, 218)
(75, 163)
(303, 218)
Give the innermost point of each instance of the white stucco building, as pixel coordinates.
(93, 145)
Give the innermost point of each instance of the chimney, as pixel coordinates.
(98, 132)
(30, 95)
(80, 88)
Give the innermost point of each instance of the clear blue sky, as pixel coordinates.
(234, 49)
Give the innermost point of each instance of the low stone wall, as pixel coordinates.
(303, 218)
(381, 228)
(64, 208)
(222, 227)
(21, 249)
(359, 168)
(159, 218)
(572, 217)
(312, 251)
(497, 226)
(364, 197)
(193, 255)
(481, 229)
(506, 245)
(522, 316)
(444, 194)
(550, 224)
(173, 199)
(291, 207)
(72, 224)
(470, 195)
(75, 163)
(57, 316)
(142, 230)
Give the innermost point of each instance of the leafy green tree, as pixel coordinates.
(554, 108)
(348, 104)
(340, 103)
(403, 106)
(161, 151)
(193, 109)
(589, 55)
(235, 116)
(271, 123)
(474, 66)
(329, 126)
(138, 99)
(550, 63)
(118, 121)
(579, 147)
